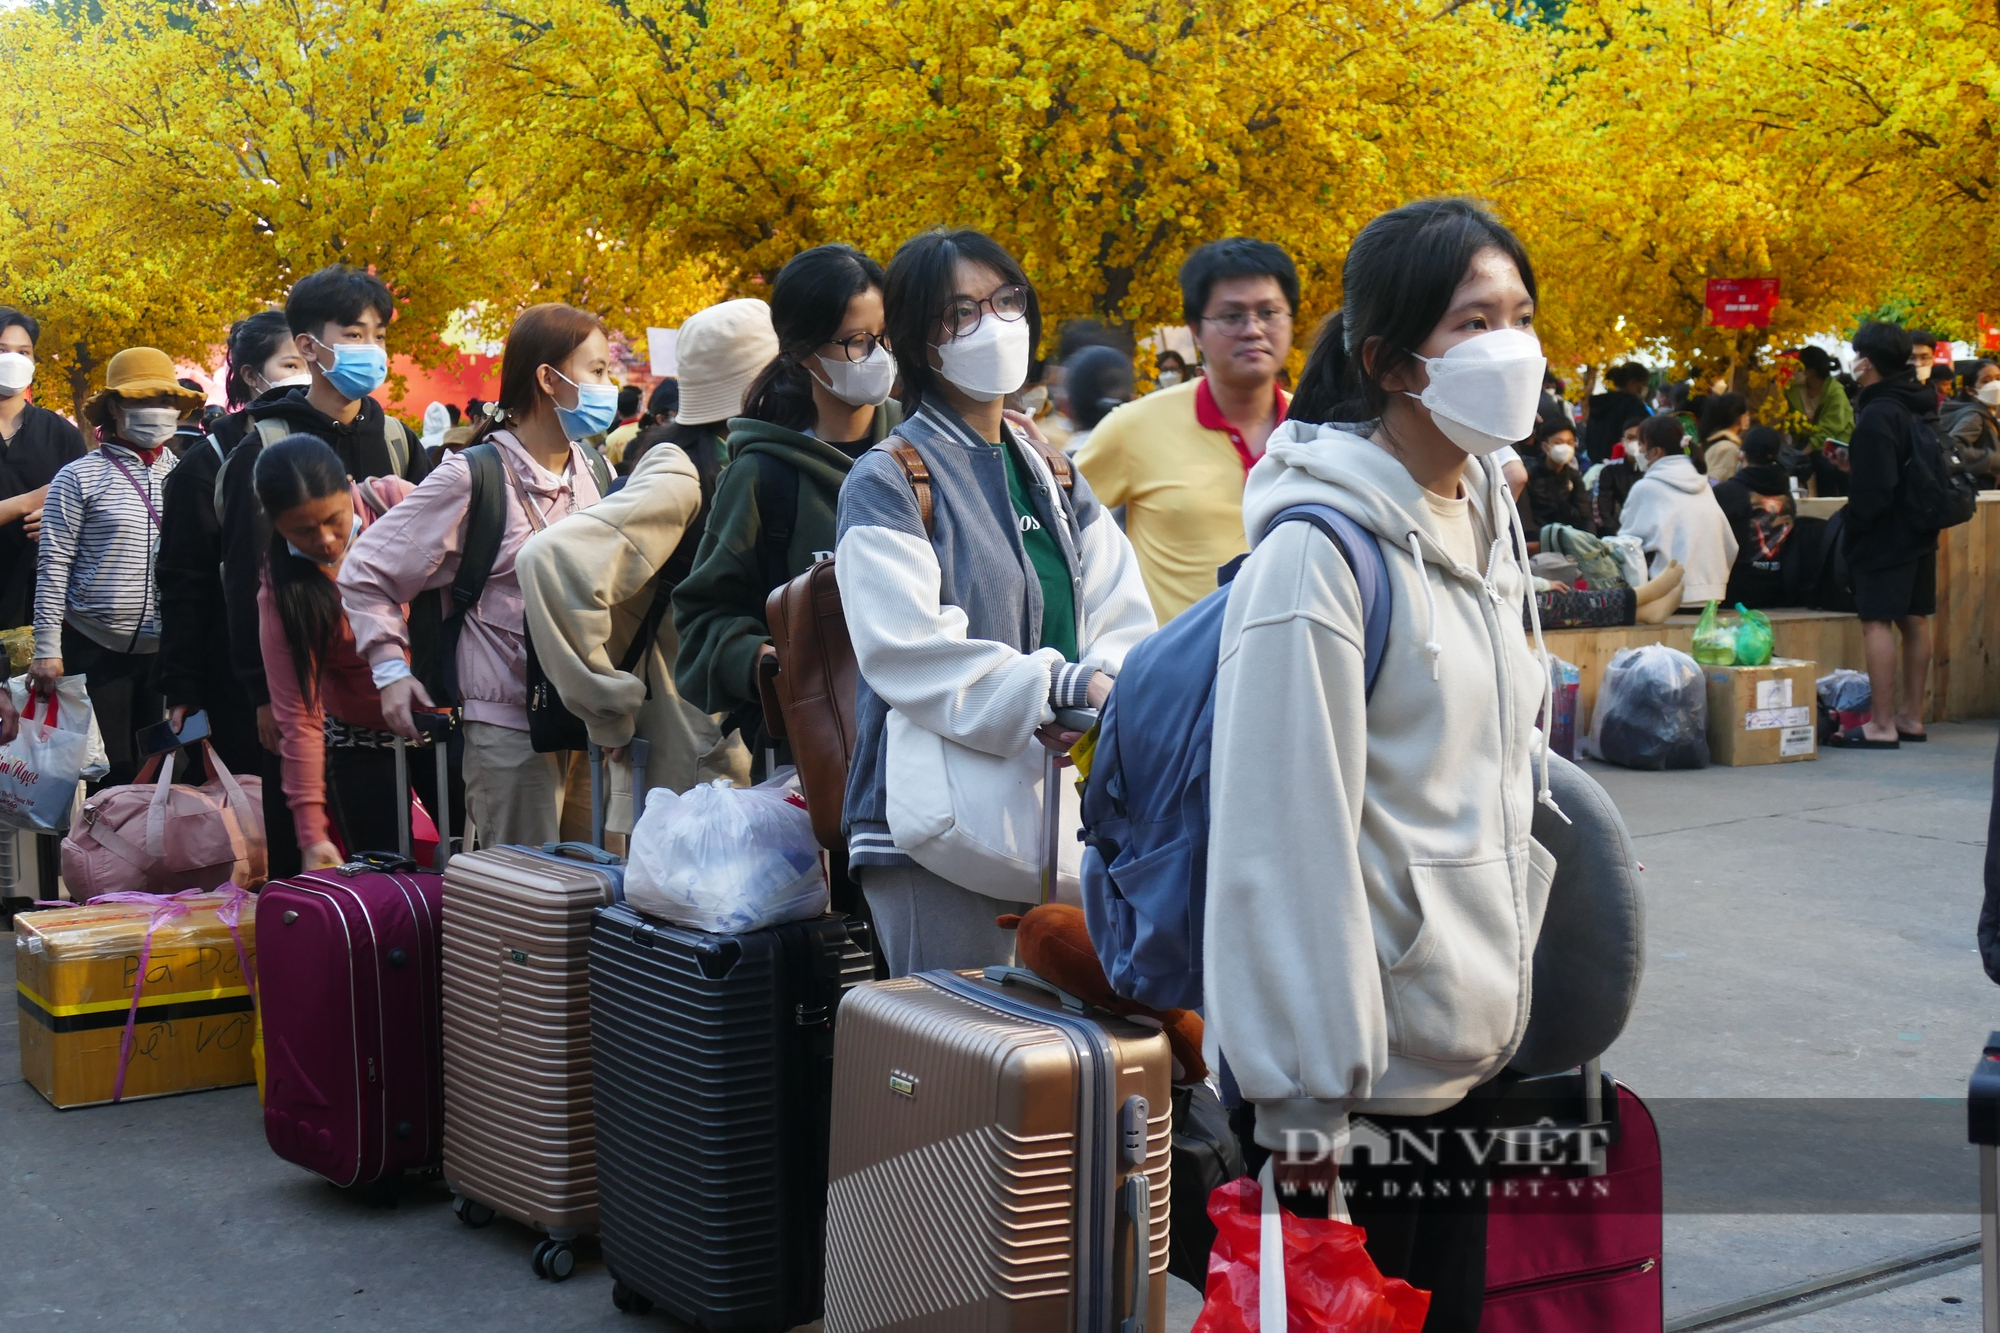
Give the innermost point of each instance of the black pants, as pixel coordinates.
(1426, 1222)
(121, 695)
(362, 800)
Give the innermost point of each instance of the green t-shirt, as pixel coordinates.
(1045, 554)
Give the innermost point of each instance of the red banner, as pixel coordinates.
(1741, 303)
(1989, 336)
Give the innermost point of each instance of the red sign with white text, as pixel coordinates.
(1741, 303)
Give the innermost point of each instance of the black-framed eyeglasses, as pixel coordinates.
(859, 347)
(962, 315)
(1236, 323)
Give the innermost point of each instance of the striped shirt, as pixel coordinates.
(100, 537)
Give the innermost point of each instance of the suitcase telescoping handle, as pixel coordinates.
(436, 726)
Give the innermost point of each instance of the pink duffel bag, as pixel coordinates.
(162, 836)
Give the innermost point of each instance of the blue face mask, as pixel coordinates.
(596, 408)
(358, 368)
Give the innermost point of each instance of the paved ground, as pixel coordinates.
(1810, 939)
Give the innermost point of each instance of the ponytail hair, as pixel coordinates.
(1397, 283)
(297, 470)
(252, 342)
(808, 305)
(544, 335)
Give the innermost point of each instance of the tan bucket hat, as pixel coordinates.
(138, 372)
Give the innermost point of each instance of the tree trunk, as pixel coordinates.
(79, 384)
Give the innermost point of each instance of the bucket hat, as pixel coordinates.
(720, 350)
(138, 372)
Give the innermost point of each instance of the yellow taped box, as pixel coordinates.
(74, 972)
(1763, 714)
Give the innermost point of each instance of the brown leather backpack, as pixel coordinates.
(808, 694)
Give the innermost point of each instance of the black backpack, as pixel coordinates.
(1934, 492)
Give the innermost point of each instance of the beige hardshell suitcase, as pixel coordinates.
(519, 1130)
(999, 1161)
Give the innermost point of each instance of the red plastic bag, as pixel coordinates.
(1331, 1285)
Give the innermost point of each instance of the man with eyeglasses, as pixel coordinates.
(1176, 458)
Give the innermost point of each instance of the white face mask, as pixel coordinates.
(1923, 374)
(1484, 391)
(17, 372)
(990, 362)
(147, 427)
(1989, 393)
(1169, 378)
(1639, 460)
(300, 380)
(863, 383)
(1559, 455)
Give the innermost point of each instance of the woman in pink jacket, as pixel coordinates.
(555, 390)
(339, 763)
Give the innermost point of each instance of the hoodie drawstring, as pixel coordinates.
(1431, 645)
(1511, 522)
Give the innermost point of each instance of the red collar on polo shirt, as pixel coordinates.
(1209, 417)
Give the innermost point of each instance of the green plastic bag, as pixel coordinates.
(1753, 637)
(1714, 642)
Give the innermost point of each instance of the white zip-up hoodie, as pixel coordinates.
(1374, 896)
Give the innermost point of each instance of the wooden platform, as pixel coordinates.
(1965, 659)
(1828, 638)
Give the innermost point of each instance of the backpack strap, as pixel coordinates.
(1055, 459)
(485, 526)
(1371, 575)
(600, 470)
(398, 441)
(918, 474)
(269, 430)
(777, 516)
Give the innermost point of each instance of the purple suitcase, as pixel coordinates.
(351, 1001)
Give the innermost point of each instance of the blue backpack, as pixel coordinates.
(1145, 805)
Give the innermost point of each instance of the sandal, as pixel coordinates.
(1913, 737)
(1854, 738)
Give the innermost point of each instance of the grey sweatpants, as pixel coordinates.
(925, 921)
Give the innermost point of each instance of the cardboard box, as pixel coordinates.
(75, 969)
(1763, 714)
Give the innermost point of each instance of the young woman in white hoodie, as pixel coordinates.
(1374, 896)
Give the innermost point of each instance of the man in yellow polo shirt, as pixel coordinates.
(1176, 459)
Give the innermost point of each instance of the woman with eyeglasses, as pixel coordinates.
(985, 590)
(819, 404)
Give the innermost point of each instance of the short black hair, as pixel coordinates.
(1816, 360)
(1887, 347)
(1234, 257)
(1078, 334)
(336, 294)
(922, 280)
(1552, 425)
(1923, 338)
(1630, 373)
(665, 399)
(10, 318)
(628, 400)
(1097, 379)
(1721, 411)
(1761, 445)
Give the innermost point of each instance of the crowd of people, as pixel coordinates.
(315, 576)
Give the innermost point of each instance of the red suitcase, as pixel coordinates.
(351, 1000)
(1572, 1251)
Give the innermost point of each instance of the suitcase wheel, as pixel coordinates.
(554, 1259)
(471, 1212)
(629, 1301)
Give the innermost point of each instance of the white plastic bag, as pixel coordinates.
(725, 859)
(1631, 557)
(58, 747)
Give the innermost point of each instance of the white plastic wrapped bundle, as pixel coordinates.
(725, 859)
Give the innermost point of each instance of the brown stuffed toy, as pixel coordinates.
(1054, 944)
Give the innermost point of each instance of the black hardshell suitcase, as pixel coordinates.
(712, 1059)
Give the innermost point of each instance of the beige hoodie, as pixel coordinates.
(1373, 894)
(588, 582)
